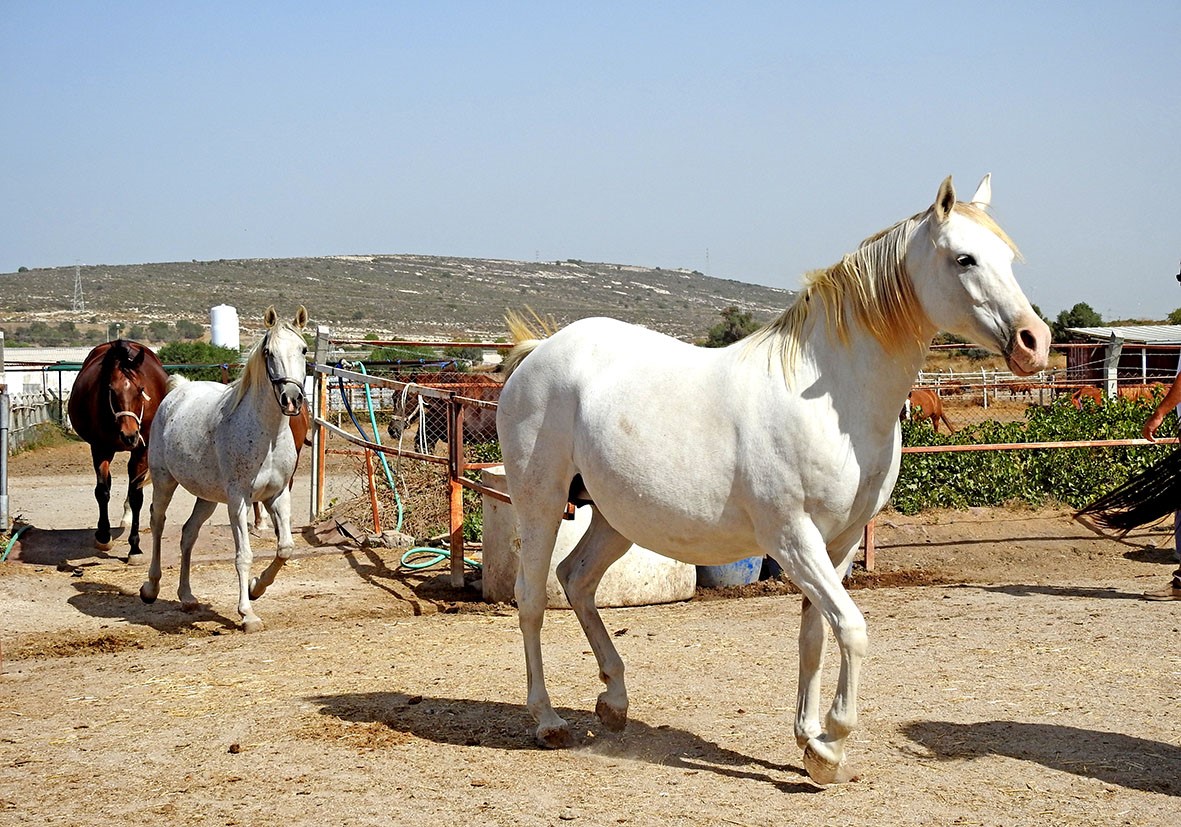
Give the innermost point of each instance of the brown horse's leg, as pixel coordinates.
(101, 458)
(137, 473)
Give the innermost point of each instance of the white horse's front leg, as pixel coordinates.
(811, 643)
(279, 509)
(239, 511)
(806, 562)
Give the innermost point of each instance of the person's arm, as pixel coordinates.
(1171, 400)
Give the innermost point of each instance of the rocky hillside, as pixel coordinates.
(392, 296)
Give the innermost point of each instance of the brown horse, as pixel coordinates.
(479, 424)
(111, 406)
(300, 424)
(925, 404)
(1095, 395)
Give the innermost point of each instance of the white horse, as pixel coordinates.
(231, 444)
(784, 444)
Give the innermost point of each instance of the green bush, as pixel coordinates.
(207, 359)
(1073, 476)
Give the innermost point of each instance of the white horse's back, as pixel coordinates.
(669, 440)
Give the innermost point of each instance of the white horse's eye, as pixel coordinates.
(965, 260)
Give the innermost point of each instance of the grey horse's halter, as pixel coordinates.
(278, 381)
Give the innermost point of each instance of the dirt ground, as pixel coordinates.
(1015, 677)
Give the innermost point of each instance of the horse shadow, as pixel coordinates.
(1030, 589)
(1110, 757)
(502, 726)
(103, 600)
(66, 548)
(416, 588)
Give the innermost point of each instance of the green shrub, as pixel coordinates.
(1073, 476)
(206, 359)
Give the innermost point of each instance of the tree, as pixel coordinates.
(1174, 317)
(159, 331)
(735, 324)
(189, 330)
(207, 359)
(1081, 315)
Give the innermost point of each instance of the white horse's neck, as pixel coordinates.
(862, 375)
(258, 398)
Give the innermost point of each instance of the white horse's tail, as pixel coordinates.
(175, 380)
(527, 334)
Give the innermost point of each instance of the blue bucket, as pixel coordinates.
(739, 573)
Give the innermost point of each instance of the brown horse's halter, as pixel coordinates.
(278, 381)
(138, 417)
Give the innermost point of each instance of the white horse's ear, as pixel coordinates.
(983, 196)
(301, 317)
(270, 317)
(945, 200)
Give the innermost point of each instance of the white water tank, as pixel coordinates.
(638, 578)
(223, 322)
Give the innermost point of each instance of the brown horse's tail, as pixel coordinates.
(527, 334)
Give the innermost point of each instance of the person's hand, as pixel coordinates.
(1149, 431)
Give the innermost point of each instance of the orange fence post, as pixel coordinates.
(869, 546)
(455, 472)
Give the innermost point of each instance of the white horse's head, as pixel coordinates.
(961, 270)
(284, 356)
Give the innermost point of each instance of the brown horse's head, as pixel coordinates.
(125, 391)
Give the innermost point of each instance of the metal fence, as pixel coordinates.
(28, 415)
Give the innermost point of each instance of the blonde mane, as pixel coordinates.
(868, 287)
(255, 370)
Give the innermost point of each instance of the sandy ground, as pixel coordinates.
(1015, 677)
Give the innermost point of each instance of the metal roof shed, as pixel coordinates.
(1127, 354)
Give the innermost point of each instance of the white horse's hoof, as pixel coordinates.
(612, 718)
(825, 772)
(148, 593)
(254, 625)
(190, 605)
(134, 559)
(558, 737)
(255, 590)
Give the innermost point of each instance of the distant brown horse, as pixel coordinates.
(1150, 392)
(479, 424)
(300, 424)
(925, 404)
(111, 406)
(1095, 395)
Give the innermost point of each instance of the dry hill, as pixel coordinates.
(403, 296)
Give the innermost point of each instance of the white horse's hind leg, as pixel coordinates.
(539, 530)
(579, 575)
(163, 487)
(280, 512)
(202, 511)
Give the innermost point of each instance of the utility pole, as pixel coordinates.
(79, 301)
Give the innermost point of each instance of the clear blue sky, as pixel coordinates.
(748, 140)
